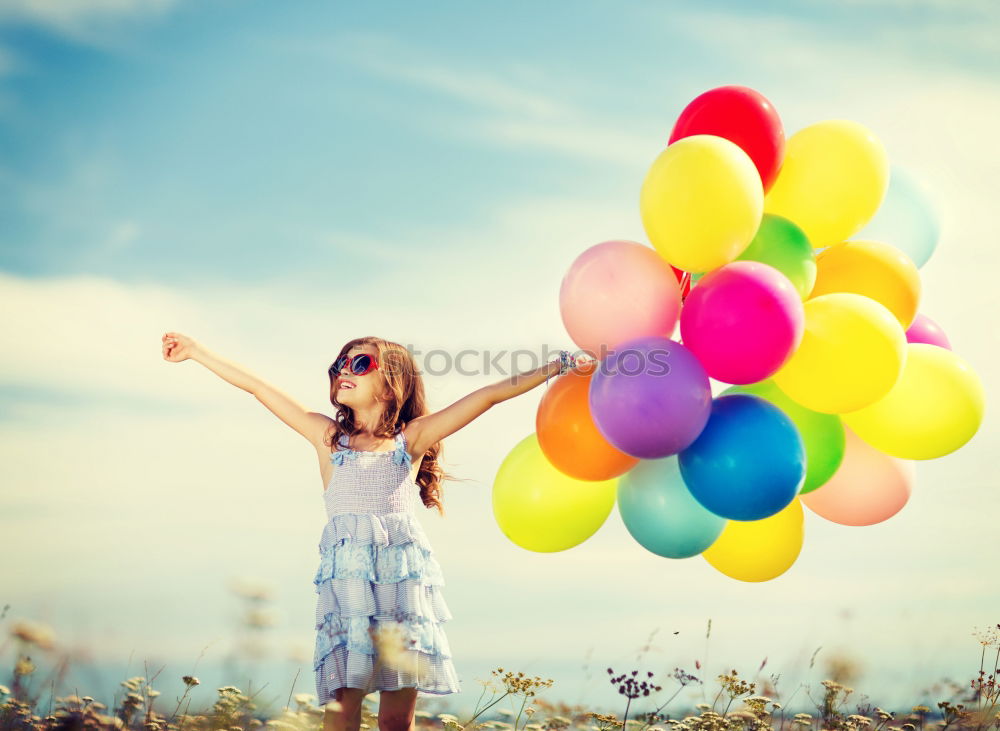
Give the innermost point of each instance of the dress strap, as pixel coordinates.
(402, 452)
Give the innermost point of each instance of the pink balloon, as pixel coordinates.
(869, 486)
(743, 321)
(924, 330)
(616, 291)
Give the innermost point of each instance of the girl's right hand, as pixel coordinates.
(178, 347)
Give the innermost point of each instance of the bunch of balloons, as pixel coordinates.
(788, 271)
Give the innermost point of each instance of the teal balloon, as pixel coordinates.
(907, 218)
(822, 434)
(660, 512)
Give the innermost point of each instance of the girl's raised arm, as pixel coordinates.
(431, 428)
(310, 424)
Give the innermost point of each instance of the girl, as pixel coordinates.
(379, 602)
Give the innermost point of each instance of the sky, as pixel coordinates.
(275, 179)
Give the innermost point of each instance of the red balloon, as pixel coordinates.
(684, 279)
(743, 116)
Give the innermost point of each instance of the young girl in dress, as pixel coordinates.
(379, 603)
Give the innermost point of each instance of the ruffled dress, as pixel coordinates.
(379, 606)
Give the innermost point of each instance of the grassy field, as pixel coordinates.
(736, 703)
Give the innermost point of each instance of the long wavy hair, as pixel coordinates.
(405, 401)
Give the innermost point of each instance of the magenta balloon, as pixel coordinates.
(616, 291)
(924, 330)
(650, 397)
(743, 321)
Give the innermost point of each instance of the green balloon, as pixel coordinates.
(822, 434)
(783, 245)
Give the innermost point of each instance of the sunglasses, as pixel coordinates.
(360, 364)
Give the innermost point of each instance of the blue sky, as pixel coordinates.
(274, 179)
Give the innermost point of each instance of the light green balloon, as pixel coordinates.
(822, 434)
(783, 245)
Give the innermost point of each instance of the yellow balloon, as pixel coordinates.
(542, 509)
(851, 354)
(832, 180)
(759, 550)
(701, 202)
(874, 269)
(935, 408)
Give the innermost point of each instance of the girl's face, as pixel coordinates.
(358, 391)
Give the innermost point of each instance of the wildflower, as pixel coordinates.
(257, 617)
(24, 666)
(34, 633)
(521, 683)
(734, 685)
(190, 681)
(631, 688)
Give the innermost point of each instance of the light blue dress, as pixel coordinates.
(378, 577)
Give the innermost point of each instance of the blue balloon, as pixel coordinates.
(660, 512)
(907, 218)
(749, 461)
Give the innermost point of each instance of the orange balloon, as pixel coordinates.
(873, 269)
(568, 436)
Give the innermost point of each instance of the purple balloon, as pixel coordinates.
(650, 397)
(924, 330)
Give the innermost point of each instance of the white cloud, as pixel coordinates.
(84, 21)
(384, 56)
(516, 108)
